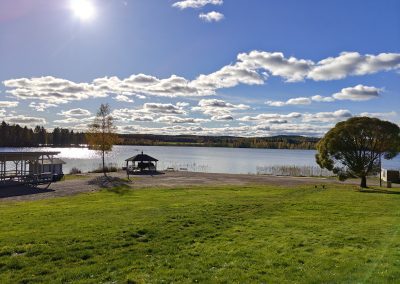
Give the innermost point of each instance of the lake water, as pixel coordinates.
(202, 159)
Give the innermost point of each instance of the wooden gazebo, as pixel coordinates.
(141, 163)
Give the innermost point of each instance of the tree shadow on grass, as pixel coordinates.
(20, 190)
(381, 191)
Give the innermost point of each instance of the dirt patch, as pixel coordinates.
(168, 180)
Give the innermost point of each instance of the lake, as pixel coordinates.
(202, 159)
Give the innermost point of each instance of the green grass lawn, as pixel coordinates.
(207, 235)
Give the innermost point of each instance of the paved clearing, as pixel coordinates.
(167, 180)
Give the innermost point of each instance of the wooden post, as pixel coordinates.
(380, 169)
(16, 169)
(41, 168)
(52, 166)
(22, 172)
(127, 168)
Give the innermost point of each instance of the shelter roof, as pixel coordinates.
(24, 156)
(141, 158)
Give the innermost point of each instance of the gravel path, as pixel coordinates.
(167, 180)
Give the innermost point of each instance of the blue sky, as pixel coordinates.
(247, 68)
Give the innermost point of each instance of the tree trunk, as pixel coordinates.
(363, 182)
(104, 168)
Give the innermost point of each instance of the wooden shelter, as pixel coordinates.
(141, 163)
(30, 168)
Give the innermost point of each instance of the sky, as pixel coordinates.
(203, 67)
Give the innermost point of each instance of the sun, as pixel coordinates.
(83, 9)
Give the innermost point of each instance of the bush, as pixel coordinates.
(75, 171)
(108, 169)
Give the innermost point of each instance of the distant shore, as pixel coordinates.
(17, 136)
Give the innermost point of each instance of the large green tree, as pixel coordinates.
(353, 148)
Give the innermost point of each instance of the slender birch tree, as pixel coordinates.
(101, 134)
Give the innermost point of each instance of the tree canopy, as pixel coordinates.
(353, 148)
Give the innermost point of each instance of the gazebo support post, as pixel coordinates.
(127, 169)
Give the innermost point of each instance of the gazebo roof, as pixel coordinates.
(141, 158)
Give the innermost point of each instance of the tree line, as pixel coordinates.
(18, 136)
(275, 142)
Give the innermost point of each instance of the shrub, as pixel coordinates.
(108, 169)
(75, 171)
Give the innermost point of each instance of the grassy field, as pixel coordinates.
(222, 234)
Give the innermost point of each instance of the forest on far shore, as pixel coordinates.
(18, 136)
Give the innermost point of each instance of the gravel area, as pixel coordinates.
(167, 180)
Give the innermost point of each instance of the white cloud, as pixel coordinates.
(319, 98)
(196, 3)
(25, 120)
(8, 104)
(254, 67)
(52, 90)
(131, 115)
(212, 16)
(381, 115)
(72, 120)
(272, 116)
(334, 116)
(251, 68)
(218, 109)
(294, 101)
(222, 117)
(76, 112)
(141, 84)
(276, 103)
(227, 77)
(123, 98)
(182, 104)
(358, 93)
(291, 69)
(214, 103)
(150, 111)
(296, 116)
(41, 106)
(176, 119)
(159, 108)
(353, 63)
(299, 101)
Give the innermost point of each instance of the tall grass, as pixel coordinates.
(190, 167)
(109, 168)
(296, 171)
